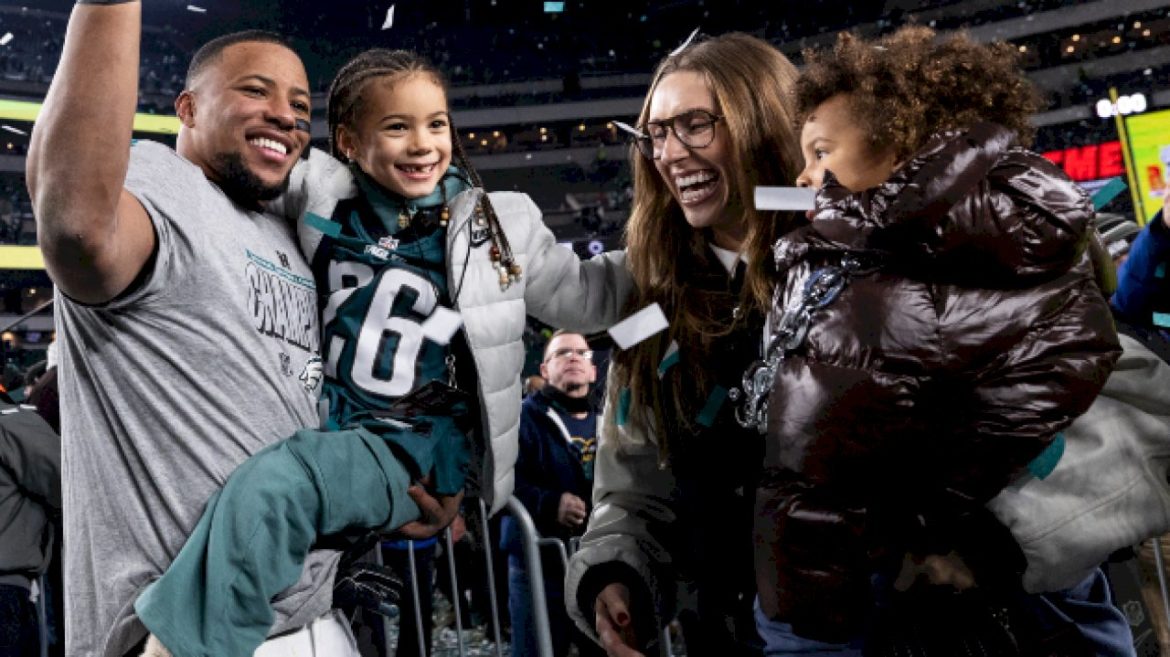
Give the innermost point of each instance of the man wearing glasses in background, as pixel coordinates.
(554, 479)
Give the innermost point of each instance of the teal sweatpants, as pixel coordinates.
(251, 543)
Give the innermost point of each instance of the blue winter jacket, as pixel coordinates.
(547, 467)
(1143, 285)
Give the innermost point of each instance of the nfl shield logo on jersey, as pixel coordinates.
(311, 374)
(480, 235)
(377, 252)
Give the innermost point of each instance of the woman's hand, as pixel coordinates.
(612, 621)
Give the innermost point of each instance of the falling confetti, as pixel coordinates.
(389, 19)
(5, 39)
(630, 129)
(13, 130)
(441, 326)
(685, 43)
(785, 198)
(1107, 193)
(197, 10)
(638, 327)
(669, 360)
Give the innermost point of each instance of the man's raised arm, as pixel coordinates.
(95, 236)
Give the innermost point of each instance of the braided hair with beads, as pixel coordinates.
(344, 104)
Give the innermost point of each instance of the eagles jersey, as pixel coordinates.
(377, 284)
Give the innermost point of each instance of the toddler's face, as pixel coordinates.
(833, 140)
(402, 138)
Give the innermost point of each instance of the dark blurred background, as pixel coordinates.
(536, 85)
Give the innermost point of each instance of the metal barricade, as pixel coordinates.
(42, 615)
(535, 575)
(532, 543)
(1160, 566)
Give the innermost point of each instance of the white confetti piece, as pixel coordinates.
(630, 129)
(684, 43)
(785, 198)
(196, 9)
(9, 411)
(669, 359)
(637, 327)
(13, 130)
(389, 23)
(441, 326)
(5, 39)
(397, 424)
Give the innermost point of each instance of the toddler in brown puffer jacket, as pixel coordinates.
(938, 324)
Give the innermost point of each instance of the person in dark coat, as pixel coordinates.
(30, 510)
(554, 477)
(1143, 280)
(938, 325)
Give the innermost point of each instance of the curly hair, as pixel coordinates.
(911, 84)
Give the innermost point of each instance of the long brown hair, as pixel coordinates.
(752, 83)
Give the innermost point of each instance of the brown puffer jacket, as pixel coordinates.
(929, 383)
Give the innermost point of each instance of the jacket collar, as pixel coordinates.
(906, 214)
(917, 196)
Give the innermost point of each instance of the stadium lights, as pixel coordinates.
(1126, 105)
(23, 110)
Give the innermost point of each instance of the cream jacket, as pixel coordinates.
(556, 287)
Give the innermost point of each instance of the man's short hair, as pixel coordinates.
(214, 48)
(556, 334)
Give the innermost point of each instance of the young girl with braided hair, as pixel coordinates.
(400, 242)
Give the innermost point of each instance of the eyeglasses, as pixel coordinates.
(586, 354)
(694, 128)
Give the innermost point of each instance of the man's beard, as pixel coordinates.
(240, 184)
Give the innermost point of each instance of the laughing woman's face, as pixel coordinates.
(697, 175)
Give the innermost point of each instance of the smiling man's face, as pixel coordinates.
(239, 119)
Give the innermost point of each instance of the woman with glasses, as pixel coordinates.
(675, 473)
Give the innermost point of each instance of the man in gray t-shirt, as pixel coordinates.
(187, 317)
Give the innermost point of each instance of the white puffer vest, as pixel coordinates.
(556, 287)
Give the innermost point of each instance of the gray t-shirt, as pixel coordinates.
(166, 390)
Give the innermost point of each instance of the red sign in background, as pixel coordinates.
(1092, 162)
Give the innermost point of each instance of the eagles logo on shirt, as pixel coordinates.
(312, 373)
